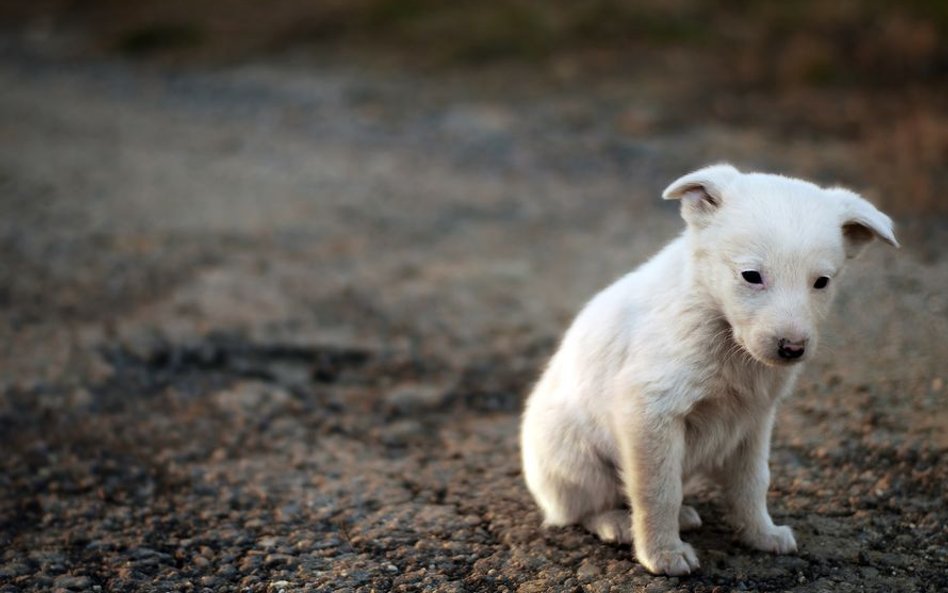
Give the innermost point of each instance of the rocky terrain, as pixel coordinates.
(269, 326)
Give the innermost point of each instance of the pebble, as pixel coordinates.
(588, 569)
(200, 561)
(14, 569)
(279, 560)
(227, 570)
(401, 432)
(249, 580)
(534, 586)
(659, 585)
(416, 397)
(73, 582)
(148, 554)
(250, 563)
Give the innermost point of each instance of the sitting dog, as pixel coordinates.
(673, 373)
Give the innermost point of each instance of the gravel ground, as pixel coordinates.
(268, 327)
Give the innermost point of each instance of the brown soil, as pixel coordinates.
(268, 326)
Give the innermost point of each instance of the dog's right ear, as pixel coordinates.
(701, 192)
(862, 222)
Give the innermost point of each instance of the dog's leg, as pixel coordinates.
(653, 452)
(746, 478)
(616, 525)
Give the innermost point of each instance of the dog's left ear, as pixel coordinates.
(862, 222)
(701, 192)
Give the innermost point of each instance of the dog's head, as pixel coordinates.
(768, 250)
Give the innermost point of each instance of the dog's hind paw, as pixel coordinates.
(777, 539)
(688, 518)
(611, 526)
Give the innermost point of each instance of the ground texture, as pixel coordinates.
(269, 327)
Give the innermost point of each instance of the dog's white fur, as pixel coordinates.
(673, 373)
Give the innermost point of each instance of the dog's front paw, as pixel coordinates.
(778, 539)
(674, 561)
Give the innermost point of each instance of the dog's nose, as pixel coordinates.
(790, 350)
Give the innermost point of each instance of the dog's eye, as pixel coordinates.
(752, 277)
(821, 282)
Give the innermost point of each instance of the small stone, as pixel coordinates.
(250, 563)
(249, 580)
(99, 545)
(227, 570)
(200, 561)
(13, 569)
(535, 586)
(416, 397)
(73, 582)
(279, 560)
(402, 431)
(452, 587)
(143, 553)
(659, 585)
(588, 569)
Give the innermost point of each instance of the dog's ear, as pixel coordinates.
(861, 222)
(701, 192)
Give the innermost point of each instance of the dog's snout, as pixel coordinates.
(790, 349)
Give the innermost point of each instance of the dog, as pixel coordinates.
(673, 373)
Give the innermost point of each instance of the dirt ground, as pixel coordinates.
(268, 327)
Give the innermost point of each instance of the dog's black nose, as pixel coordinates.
(790, 350)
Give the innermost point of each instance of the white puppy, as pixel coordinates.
(674, 372)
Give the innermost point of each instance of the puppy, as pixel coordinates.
(673, 373)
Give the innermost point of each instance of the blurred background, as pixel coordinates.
(275, 278)
(863, 72)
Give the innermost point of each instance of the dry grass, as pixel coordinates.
(796, 41)
(912, 156)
